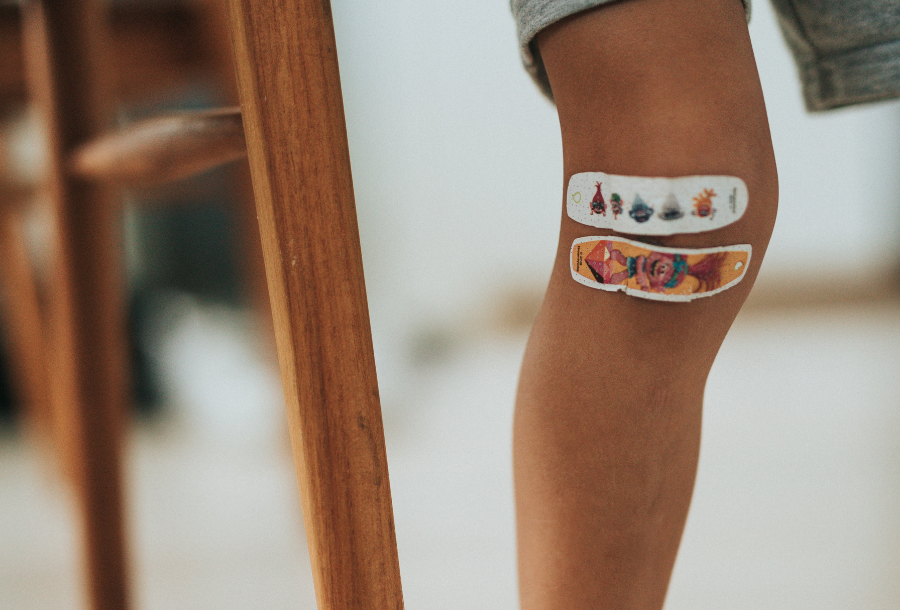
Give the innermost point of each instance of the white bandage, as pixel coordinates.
(655, 206)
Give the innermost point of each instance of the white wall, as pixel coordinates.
(457, 158)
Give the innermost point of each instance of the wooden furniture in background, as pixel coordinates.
(160, 48)
(64, 42)
(155, 44)
(162, 149)
(296, 139)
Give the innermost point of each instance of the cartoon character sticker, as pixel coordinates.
(703, 206)
(670, 208)
(655, 272)
(615, 205)
(598, 205)
(653, 205)
(640, 211)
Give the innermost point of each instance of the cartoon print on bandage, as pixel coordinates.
(655, 272)
(655, 206)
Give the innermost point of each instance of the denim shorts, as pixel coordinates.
(847, 51)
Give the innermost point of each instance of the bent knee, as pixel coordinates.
(653, 331)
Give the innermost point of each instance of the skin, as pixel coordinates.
(607, 424)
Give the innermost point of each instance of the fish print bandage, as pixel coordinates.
(654, 272)
(655, 206)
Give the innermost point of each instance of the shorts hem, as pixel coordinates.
(532, 16)
(859, 76)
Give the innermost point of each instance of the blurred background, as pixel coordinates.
(798, 494)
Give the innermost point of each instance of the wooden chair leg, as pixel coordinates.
(24, 326)
(297, 145)
(64, 41)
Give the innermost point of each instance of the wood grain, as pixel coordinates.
(162, 149)
(297, 144)
(65, 59)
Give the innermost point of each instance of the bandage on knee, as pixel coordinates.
(655, 206)
(655, 272)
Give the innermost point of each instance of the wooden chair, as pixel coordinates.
(161, 47)
(292, 121)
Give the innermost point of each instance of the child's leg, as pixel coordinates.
(608, 414)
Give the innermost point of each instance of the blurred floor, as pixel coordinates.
(797, 503)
